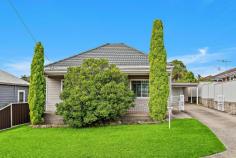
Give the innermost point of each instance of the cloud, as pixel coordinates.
(19, 67)
(201, 56)
(205, 62)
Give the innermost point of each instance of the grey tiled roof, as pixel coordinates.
(9, 79)
(119, 54)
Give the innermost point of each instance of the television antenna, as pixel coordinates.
(223, 61)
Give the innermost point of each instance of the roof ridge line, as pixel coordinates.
(77, 54)
(135, 49)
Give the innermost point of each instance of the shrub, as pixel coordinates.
(36, 97)
(94, 92)
(158, 77)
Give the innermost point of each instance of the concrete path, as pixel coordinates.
(222, 124)
(180, 115)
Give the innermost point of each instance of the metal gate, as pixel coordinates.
(178, 101)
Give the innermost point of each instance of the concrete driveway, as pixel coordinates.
(222, 124)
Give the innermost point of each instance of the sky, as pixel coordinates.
(198, 32)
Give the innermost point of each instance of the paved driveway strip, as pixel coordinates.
(222, 124)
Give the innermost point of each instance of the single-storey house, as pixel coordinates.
(12, 89)
(130, 60)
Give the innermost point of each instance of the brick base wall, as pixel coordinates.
(135, 114)
(229, 107)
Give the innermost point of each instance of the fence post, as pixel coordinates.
(11, 114)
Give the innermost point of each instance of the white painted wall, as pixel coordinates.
(53, 90)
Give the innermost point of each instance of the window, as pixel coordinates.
(21, 96)
(140, 88)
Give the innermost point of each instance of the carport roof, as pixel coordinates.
(184, 85)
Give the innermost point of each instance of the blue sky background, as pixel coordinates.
(199, 32)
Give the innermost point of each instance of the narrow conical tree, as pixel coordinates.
(36, 97)
(158, 76)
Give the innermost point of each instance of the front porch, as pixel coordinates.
(139, 84)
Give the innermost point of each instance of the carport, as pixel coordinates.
(186, 86)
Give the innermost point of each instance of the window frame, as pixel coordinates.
(62, 84)
(18, 96)
(130, 83)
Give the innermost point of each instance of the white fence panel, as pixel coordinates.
(204, 90)
(218, 90)
(212, 90)
(229, 91)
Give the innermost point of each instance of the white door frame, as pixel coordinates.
(18, 96)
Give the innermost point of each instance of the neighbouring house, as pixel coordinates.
(227, 75)
(12, 89)
(130, 60)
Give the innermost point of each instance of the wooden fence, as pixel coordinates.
(14, 114)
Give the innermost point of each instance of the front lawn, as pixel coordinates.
(188, 138)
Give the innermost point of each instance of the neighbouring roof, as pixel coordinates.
(125, 57)
(228, 73)
(209, 77)
(9, 79)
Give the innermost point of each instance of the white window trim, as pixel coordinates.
(130, 83)
(18, 95)
(62, 80)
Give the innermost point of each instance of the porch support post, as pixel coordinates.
(197, 95)
(170, 88)
(11, 115)
(191, 92)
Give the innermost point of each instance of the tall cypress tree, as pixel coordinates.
(36, 97)
(158, 76)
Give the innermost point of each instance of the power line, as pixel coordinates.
(23, 23)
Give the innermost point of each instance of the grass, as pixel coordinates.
(186, 139)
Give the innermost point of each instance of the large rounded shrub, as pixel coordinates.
(94, 92)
